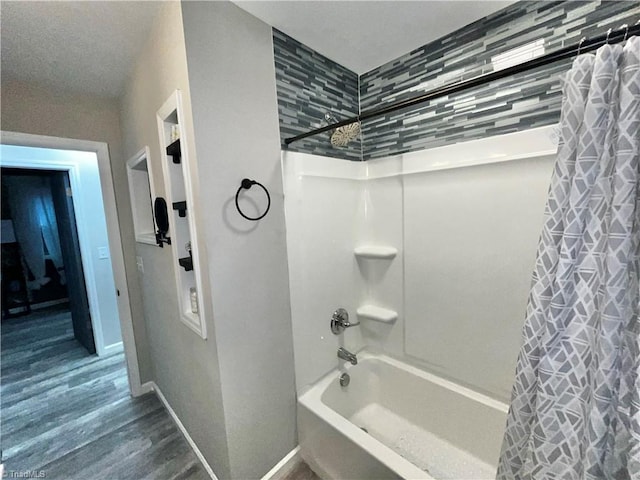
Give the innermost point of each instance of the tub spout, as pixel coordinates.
(348, 356)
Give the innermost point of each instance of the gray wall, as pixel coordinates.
(233, 94)
(185, 366)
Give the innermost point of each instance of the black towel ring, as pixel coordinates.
(247, 184)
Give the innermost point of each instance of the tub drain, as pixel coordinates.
(364, 430)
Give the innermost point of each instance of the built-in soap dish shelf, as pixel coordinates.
(378, 314)
(375, 252)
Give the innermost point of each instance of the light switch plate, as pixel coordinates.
(139, 264)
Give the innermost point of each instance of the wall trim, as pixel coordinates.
(41, 305)
(538, 142)
(146, 387)
(49, 303)
(284, 466)
(113, 348)
(182, 428)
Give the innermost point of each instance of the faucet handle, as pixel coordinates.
(340, 321)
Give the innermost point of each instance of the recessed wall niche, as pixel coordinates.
(142, 192)
(182, 226)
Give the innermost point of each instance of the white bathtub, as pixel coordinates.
(419, 425)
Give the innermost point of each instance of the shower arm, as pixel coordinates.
(585, 45)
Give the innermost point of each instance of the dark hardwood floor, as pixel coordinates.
(68, 415)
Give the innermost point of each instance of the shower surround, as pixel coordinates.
(462, 233)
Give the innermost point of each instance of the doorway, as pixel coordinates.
(64, 323)
(41, 257)
(58, 398)
(89, 249)
(76, 158)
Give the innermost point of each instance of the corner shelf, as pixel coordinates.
(379, 252)
(178, 171)
(377, 314)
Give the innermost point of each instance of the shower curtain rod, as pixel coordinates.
(585, 45)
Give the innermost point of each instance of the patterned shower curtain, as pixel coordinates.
(575, 407)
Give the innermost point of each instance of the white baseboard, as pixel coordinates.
(50, 303)
(284, 466)
(113, 348)
(143, 389)
(181, 427)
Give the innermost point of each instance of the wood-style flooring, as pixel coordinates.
(68, 415)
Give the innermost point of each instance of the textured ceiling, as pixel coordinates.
(90, 46)
(362, 35)
(86, 46)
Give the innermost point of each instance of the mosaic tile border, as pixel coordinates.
(310, 84)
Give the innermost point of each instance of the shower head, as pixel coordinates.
(341, 136)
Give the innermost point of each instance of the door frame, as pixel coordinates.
(113, 228)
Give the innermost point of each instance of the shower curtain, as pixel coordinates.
(575, 407)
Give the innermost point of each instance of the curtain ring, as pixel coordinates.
(580, 44)
(608, 33)
(626, 31)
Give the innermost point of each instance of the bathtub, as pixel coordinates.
(396, 421)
